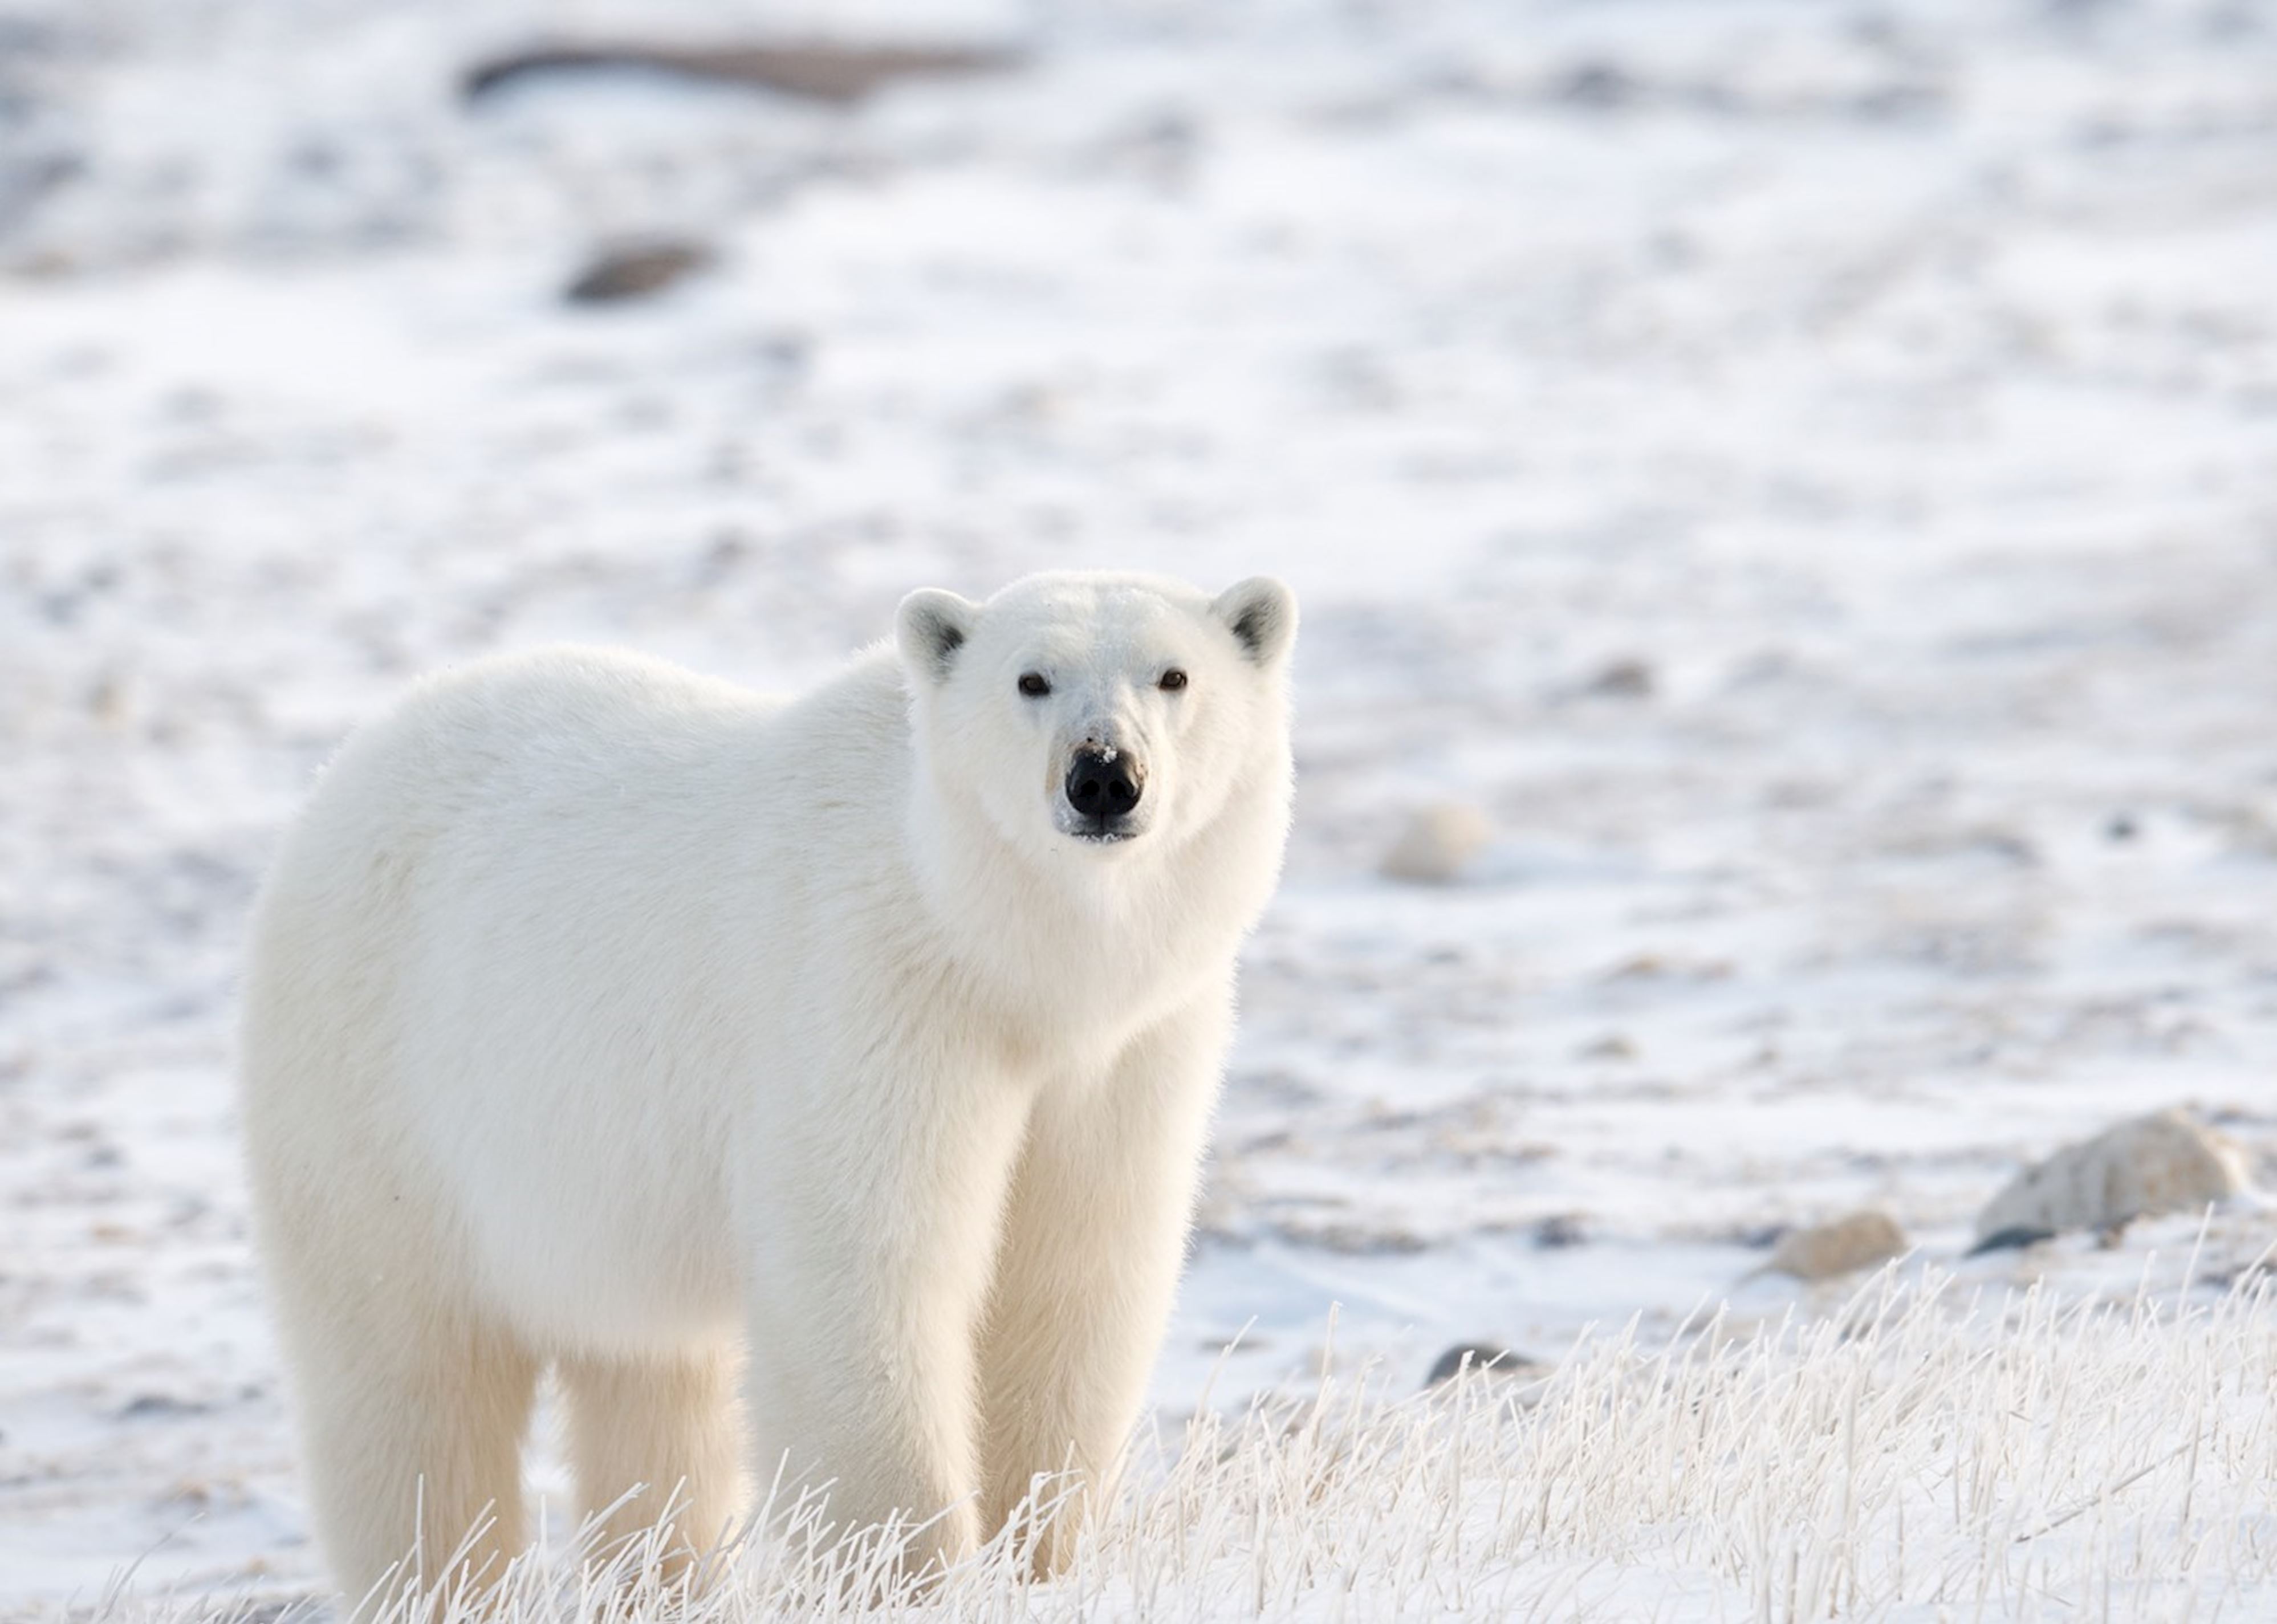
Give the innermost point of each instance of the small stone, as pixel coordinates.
(1438, 841)
(1560, 1231)
(842, 74)
(1623, 679)
(1476, 1358)
(2161, 1163)
(153, 1405)
(1359, 1240)
(636, 271)
(1849, 1244)
(108, 702)
(1598, 85)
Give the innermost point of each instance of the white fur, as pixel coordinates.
(606, 1015)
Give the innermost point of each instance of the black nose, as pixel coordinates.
(1104, 784)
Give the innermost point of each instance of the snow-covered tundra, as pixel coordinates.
(606, 1015)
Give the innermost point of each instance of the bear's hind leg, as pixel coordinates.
(664, 1426)
(414, 1425)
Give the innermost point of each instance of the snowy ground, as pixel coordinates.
(1809, 471)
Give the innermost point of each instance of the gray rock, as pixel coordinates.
(1560, 1231)
(2161, 1163)
(1626, 679)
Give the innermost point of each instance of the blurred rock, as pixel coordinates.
(152, 1405)
(1438, 841)
(1597, 85)
(817, 71)
(2016, 1237)
(108, 700)
(1476, 1358)
(28, 176)
(1560, 1231)
(636, 271)
(1822, 1251)
(1656, 967)
(2161, 1163)
(1628, 678)
(1355, 1239)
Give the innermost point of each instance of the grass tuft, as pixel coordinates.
(1910, 1457)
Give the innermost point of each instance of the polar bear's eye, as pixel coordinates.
(1033, 684)
(1173, 679)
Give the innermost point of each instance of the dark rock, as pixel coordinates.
(1473, 1357)
(1560, 1231)
(636, 271)
(2016, 1237)
(151, 1406)
(815, 72)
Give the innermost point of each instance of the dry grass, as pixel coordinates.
(1910, 1457)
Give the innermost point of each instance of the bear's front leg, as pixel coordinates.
(870, 1234)
(1093, 1239)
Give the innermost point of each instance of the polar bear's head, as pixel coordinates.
(1094, 717)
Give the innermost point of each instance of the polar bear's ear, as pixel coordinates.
(1262, 615)
(930, 627)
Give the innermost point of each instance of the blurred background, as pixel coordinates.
(1784, 497)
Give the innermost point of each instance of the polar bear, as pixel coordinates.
(606, 1016)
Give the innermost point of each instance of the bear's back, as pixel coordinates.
(566, 756)
(560, 722)
(534, 906)
(576, 822)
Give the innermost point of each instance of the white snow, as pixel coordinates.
(1893, 386)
